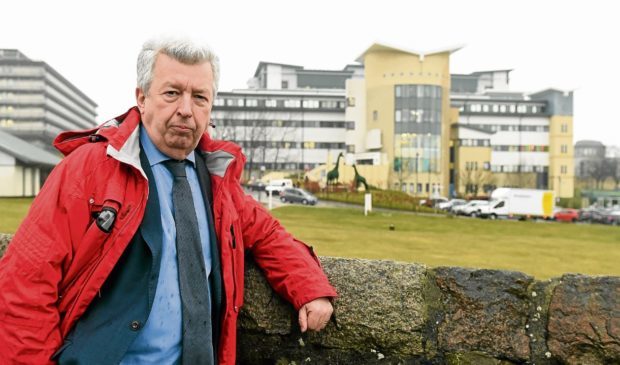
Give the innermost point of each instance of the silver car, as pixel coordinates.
(296, 195)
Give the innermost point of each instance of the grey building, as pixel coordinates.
(587, 154)
(36, 102)
(289, 118)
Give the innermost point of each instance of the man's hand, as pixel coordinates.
(315, 315)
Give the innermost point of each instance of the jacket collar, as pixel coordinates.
(122, 133)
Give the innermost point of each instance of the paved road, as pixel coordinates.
(263, 198)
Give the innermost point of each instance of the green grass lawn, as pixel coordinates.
(544, 249)
(541, 249)
(12, 212)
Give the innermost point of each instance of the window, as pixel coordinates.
(292, 103)
(271, 103)
(218, 102)
(350, 101)
(375, 115)
(397, 117)
(251, 102)
(563, 148)
(329, 104)
(563, 169)
(311, 104)
(285, 84)
(564, 128)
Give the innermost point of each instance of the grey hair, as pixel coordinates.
(184, 50)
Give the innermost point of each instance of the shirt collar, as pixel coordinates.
(153, 154)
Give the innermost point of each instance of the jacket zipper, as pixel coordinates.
(234, 269)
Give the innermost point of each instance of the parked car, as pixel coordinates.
(460, 209)
(433, 202)
(593, 215)
(296, 195)
(614, 217)
(278, 185)
(451, 203)
(256, 185)
(566, 215)
(474, 208)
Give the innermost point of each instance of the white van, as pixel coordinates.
(276, 186)
(523, 203)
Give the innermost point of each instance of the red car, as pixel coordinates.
(567, 215)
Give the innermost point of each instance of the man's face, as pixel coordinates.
(177, 108)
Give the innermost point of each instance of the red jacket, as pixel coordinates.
(59, 259)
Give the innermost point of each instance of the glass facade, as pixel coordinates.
(417, 128)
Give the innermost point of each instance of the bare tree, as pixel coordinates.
(288, 131)
(255, 140)
(599, 171)
(476, 179)
(520, 180)
(615, 171)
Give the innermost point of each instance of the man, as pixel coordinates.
(133, 251)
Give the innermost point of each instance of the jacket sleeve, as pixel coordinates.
(30, 272)
(290, 266)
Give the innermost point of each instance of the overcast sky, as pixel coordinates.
(568, 45)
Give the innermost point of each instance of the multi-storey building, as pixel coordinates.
(587, 154)
(529, 137)
(457, 134)
(437, 133)
(36, 102)
(289, 119)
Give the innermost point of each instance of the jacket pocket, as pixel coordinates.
(93, 241)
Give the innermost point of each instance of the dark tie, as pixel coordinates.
(195, 304)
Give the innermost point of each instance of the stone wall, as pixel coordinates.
(396, 313)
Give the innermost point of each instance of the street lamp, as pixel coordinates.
(405, 138)
(417, 155)
(428, 143)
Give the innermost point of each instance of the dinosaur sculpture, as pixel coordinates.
(332, 175)
(359, 179)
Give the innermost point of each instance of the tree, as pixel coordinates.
(520, 180)
(614, 171)
(600, 170)
(474, 180)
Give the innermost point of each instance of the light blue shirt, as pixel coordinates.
(159, 342)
